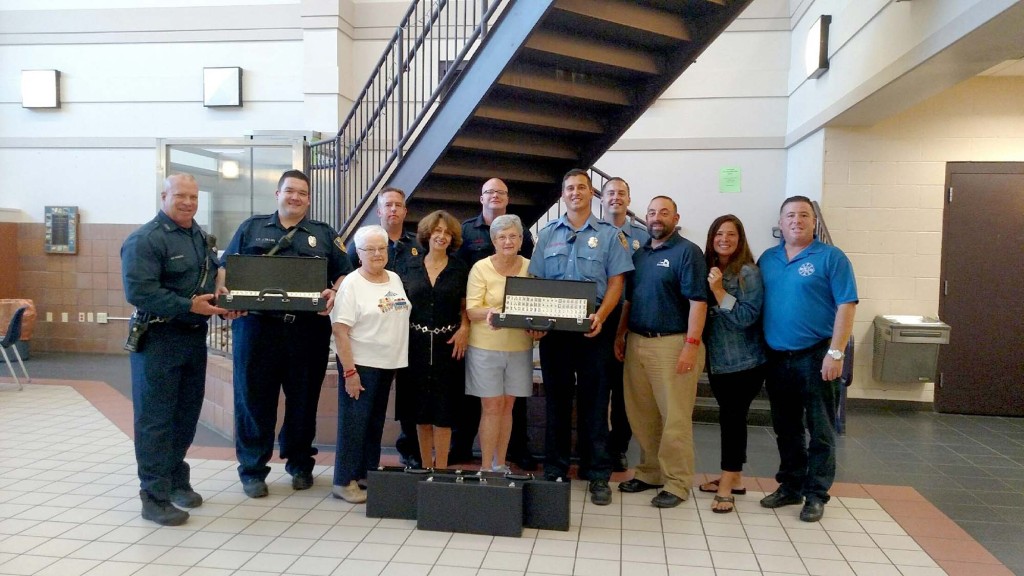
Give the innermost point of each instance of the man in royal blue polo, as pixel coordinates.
(666, 303)
(578, 246)
(809, 305)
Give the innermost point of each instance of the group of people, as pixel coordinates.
(417, 309)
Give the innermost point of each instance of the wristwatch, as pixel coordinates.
(835, 354)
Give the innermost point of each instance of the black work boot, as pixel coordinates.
(161, 511)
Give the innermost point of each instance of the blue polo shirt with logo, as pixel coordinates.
(802, 295)
(665, 280)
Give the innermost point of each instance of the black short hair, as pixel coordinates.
(803, 199)
(577, 172)
(299, 174)
(614, 179)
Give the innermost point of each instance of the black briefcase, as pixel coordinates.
(539, 304)
(470, 504)
(391, 492)
(274, 283)
(545, 503)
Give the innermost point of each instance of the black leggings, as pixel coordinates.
(734, 392)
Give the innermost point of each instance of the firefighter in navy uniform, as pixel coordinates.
(402, 247)
(170, 275)
(277, 351)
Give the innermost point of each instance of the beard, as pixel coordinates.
(659, 233)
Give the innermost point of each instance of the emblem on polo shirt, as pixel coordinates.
(312, 241)
(806, 269)
(592, 242)
(664, 263)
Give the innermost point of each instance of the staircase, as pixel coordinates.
(523, 90)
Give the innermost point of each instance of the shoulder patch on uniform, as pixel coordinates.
(340, 244)
(622, 240)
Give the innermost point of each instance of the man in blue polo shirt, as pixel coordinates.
(615, 201)
(578, 246)
(810, 298)
(666, 303)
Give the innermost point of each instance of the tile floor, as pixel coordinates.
(69, 506)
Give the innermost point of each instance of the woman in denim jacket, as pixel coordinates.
(735, 348)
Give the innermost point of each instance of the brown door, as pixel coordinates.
(981, 370)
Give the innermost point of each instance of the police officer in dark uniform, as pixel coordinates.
(170, 275)
(402, 248)
(477, 245)
(276, 351)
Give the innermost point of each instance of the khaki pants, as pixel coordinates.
(659, 404)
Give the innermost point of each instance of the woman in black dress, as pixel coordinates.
(434, 382)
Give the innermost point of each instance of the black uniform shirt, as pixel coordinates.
(259, 234)
(161, 265)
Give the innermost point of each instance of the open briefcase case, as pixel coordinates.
(275, 283)
(539, 304)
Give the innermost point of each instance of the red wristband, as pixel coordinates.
(694, 341)
(349, 373)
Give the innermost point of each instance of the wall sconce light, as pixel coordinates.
(816, 48)
(40, 88)
(222, 87)
(229, 169)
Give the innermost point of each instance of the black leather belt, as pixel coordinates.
(657, 334)
(792, 353)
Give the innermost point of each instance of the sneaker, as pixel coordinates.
(302, 480)
(351, 493)
(779, 499)
(255, 488)
(186, 497)
(600, 493)
(666, 499)
(161, 511)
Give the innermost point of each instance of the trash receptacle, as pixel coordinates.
(907, 347)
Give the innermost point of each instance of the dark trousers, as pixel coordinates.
(576, 367)
(734, 392)
(619, 435)
(407, 444)
(797, 394)
(168, 382)
(271, 355)
(361, 425)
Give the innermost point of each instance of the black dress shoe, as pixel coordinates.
(666, 499)
(161, 511)
(779, 499)
(255, 488)
(186, 497)
(600, 493)
(812, 510)
(302, 480)
(620, 465)
(637, 485)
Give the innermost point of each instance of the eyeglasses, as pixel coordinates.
(496, 192)
(382, 250)
(502, 238)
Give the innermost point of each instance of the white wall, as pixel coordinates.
(883, 201)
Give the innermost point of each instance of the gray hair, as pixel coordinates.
(172, 180)
(504, 222)
(369, 232)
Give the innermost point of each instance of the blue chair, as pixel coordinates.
(9, 340)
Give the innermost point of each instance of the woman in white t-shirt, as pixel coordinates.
(371, 336)
(499, 363)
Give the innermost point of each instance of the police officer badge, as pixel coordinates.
(415, 252)
(592, 242)
(636, 244)
(312, 241)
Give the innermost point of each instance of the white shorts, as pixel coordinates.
(491, 373)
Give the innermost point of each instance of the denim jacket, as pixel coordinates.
(733, 329)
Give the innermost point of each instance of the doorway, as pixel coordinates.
(981, 370)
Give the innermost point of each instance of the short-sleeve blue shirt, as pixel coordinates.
(802, 295)
(259, 234)
(592, 253)
(636, 236)
(665, 280)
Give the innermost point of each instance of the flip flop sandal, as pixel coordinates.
(712, 486)
(726, 500)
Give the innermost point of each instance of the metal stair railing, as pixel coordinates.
(598, 178)
(420, 64)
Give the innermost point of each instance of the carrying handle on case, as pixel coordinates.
(547, 325)
(278, 291)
